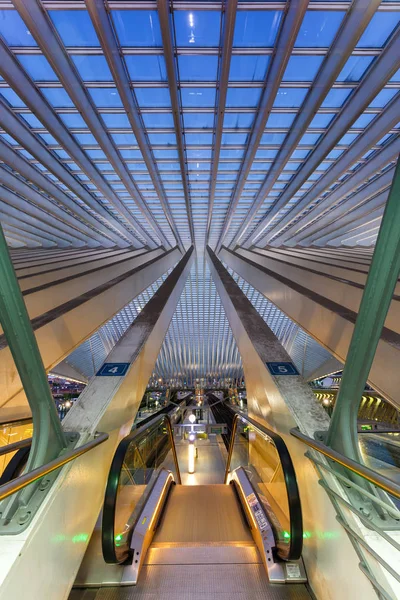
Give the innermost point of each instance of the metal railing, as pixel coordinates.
(362, 546)
(15, 446)
(27, 478)
(289, 477)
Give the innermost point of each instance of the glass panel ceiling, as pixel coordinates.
(258, 145)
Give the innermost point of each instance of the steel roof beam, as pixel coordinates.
(41, 218)
(35, 225)
(31, 174)
(169, 56)
(380, 71)
(358, 216)
(105, 33)
(283, 51)
(370, 221)
(27, 231)
(14, 183)
(229, 19)
(358, 17)
(378, 128)
(13, 73)
(47, 38)
(377, 163)
(32, 143)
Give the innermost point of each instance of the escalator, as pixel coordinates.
(161, 539)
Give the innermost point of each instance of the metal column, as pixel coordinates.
(377, 296)
(48, 438)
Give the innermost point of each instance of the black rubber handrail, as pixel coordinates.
(292, 490)
(111, 493)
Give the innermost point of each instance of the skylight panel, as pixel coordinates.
(137, 28)
(238, 97)
(197, 28)
(201, 97)
(198, 120)
(355, 68)
(14, 30)
(290, 97)
(238, 120)
(302, 68)
(256, 29)
(321, 120)
(250, 67)
(146, 67)
(158, 120)
(72, 120)
(105, 97)
(32, 120)
(383, 98)
(37, 67)
(318, 28)
(336, 97)
(12, 97)
(92, 67)
(116, 120)
(148, 97)
(57, 97)
(74, 27)
(379, 30)
(197, 67)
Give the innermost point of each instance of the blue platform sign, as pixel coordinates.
(113, 370)
(282, 368)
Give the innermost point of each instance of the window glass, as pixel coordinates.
(355, 68)
(396, 76)
(197, 28)
(124, 139)
(195, 67)
(318, 28)
(14, 30)
(309, 139)
(74, 27)
(302, 68)
(256, 29)
(137, 27)
(37, 67)
(92, 67)
(248, 67)
(198, 139)
(49, 139)
(234, 138)
(273, 138)
(347, 139)
(146, 67)
(363, 121)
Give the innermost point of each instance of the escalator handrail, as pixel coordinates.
(15, 446)
(111, 493)
(292, 490)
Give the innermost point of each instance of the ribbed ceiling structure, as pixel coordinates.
(133, 122)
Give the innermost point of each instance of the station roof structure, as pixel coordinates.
(144, 123)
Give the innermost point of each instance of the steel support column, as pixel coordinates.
(374, 306)
(48, 440)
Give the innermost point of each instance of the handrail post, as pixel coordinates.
(173, 447)
(379, 287)
(48, 437)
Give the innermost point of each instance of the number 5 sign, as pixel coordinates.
(113, 370)
(282, 368)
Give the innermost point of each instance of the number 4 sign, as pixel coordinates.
(282, 368)
(113, 370)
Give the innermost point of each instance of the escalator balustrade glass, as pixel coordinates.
(266, 460)
(134, 469)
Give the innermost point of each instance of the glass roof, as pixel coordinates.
(165, 135)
